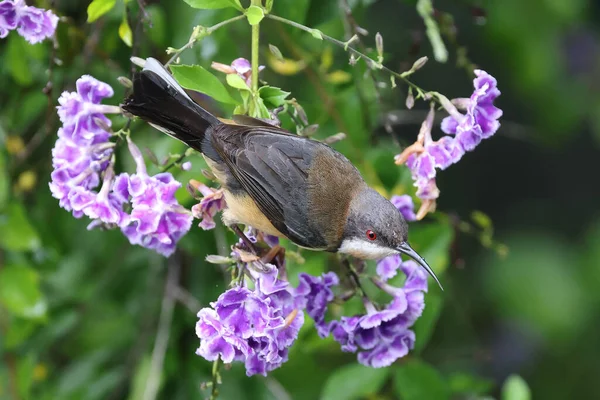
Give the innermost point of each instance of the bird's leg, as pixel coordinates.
(276, 255)
(245, 239)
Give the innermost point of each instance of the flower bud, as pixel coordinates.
(126, 82)
(186, 166)
(140, 62)
(379, 45)
(276, 52)
(419, 64)
(335, 138)
(410, 99)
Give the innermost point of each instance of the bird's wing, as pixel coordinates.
(272, 166)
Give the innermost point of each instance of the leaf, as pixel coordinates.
(515, 388)
(354, 381)
(98, 8)
(273, 96)
(425, 10)
(194, 77)
(236, 81)
(25, 367)
(316, 34)
(4, 187)
(16, 58)
(140, 379)
(125, 32)
(416, 380)
(17, 232)
(19, 330)
(20, 292)
(425, 325)
(254, 14)
(432, 241)
(214, 4)
(463, 383)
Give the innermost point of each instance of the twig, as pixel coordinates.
(164, 328)
(216, 379)
(200, 34)
(187, 299)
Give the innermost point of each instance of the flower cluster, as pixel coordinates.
(256, 327)
(212, 202)
(34, 24)
(465, 132)
(382, 336)
(83, 151)
(83, 154)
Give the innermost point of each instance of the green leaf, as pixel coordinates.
(98, 8)
(125, 32)
(20, 291)
(515, 388)
(425, 325)
(236, 81)
(432, 242)
(354, 381)
(16, 58)
(258, 109)
(425, 10)
(140, 379)
(4, 187)
(273, 96)
(25, 366)
(194, 77)
(214, 4)
(17, 232)
(416, 380)
(316, 34)
(19, 330)
(254, 14)
(463, 383)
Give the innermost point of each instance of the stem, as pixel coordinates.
(206, 32)
(216, 380)
(255, 42)
(370, 62)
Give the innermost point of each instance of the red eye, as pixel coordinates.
(371, 235)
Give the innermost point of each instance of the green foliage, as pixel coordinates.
(515, 388)
(17, 232)
(98, 8)
(354, 382)
(20, 292)
(254, 14)
(415, 380)
(212, 4)
(195, 77)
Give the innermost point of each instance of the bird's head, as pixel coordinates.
(376, 229)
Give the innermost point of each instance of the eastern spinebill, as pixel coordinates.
(279, 183)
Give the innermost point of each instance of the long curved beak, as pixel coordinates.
(405, 248)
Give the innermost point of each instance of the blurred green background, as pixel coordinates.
(80, 310)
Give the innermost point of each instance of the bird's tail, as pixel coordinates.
(158, 99)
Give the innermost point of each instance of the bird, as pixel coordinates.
(278, 182)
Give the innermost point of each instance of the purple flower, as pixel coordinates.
(239, 66)
(405, 205)
(314, 294)
(255, 327)
(8, 17)
(157, 220)
(212, 202)
(387, 267)
(82, 114)
(34, 24)
(481, 120)
(82, 151)
(382, 335)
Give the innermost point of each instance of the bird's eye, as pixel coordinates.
(371, 235)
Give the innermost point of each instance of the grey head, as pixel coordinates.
(376, 229)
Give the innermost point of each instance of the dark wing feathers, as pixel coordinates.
(274, 172)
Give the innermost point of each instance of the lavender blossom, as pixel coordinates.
(382, 335)
(468, 130)
(255, 327)
(212, 202)
(82, 151)
(239, 66)
(34, 24)
(405, 205)
(314, 294)
(157, 221)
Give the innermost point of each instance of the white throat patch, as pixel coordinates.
(365, 250)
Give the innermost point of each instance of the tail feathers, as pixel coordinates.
(158, 99)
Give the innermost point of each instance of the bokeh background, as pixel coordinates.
(517, 235)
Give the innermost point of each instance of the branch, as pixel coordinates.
(164, 329)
